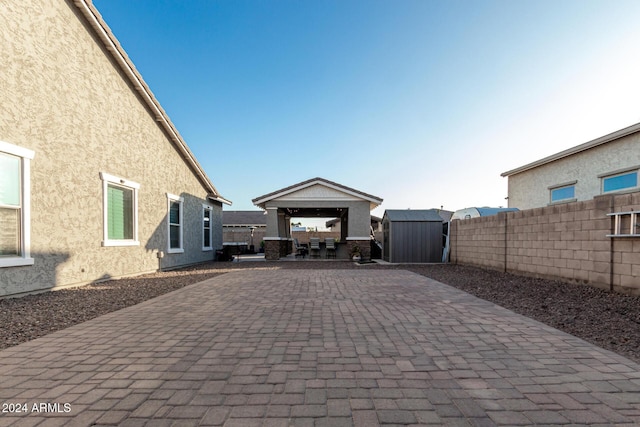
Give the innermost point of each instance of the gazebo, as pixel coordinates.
(319, 198)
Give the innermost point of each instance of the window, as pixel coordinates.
(15, 205)
(120, 206)
(206, 228)
(175, 222)
(565, 193)
(562, 193)
(622, 181)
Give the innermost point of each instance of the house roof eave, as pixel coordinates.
(112, 45)
(219, 199)
(574, 150)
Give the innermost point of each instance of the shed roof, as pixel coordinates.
(255, 218)
(407, 215)
(445, 215)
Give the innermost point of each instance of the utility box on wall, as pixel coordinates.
(412, 236)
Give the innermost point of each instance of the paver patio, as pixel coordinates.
(316, 348)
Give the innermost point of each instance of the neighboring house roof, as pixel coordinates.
(577, 149)
(411, 215)
(260, 201)
(244, 218)
(112, 45)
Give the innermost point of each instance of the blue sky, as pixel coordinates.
(422, 103)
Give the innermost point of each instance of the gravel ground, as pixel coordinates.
(607, 319)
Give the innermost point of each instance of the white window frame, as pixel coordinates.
(603, 177)
(124, 183)
(25, 156)
(560, 187)
(208, 208)
(174, 198)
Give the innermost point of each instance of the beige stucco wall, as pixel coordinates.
(62, 97)
(530, 189)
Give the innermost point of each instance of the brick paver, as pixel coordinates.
(316, 348)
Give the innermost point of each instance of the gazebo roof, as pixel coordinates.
(317, 188)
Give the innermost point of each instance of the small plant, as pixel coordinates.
(355, 253)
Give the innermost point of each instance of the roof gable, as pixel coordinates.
(317, 189)
(319, 192)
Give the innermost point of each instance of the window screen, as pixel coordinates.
(9, 180)
(207, 229)
(119, 213)
(174, 224)
(563, 193)
(10, 209)
(620, 182)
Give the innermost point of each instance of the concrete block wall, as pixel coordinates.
(567, 242)
(479, 241)
(243, 234)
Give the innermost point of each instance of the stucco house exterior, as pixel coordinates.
(606, 165)
(95, 180)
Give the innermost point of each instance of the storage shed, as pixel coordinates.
(412, 236)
